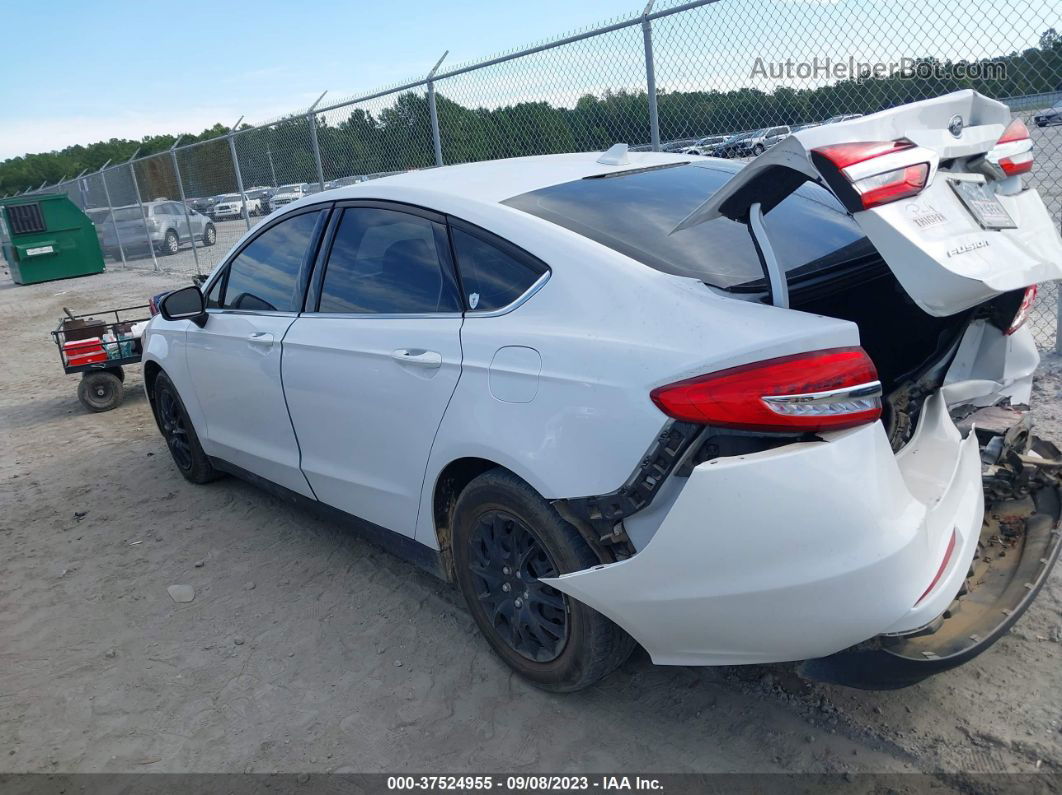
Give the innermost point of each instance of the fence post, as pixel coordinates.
(433, 113)
(1058, 317)
(650, 77)
(311, 119)
(236, 168)
(143, 215)
(110, 212)
(184, 202)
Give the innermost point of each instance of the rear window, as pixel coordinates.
(634, 212)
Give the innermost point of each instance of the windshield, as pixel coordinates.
(289, 189)
(634, 212)
(229, 197)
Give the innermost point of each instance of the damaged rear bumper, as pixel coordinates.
(806, 551)
(1018, 546)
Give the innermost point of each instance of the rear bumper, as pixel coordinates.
(803, 551)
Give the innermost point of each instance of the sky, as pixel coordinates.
(100, 69)
(80, 71)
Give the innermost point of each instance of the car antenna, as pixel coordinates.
(615, 156)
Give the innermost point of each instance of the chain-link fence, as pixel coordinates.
(667, 77)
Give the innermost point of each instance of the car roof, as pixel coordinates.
(493, 181)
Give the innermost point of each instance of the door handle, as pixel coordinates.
(260, 338)
(418, 357)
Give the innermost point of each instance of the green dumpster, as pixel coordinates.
(46, 236)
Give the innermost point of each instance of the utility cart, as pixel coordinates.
(99, 345)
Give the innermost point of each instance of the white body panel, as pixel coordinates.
(365, 417)
(234, 372)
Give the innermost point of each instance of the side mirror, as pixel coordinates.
(184, 304)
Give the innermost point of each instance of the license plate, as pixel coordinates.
(982, 204)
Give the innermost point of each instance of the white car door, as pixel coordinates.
(234, 359)
(368, 374)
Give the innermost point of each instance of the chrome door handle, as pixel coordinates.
(418, 357)
(260, 338)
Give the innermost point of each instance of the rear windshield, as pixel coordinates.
(634, 212)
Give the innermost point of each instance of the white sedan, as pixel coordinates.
(735, 415)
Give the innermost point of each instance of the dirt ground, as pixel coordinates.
(307, 649)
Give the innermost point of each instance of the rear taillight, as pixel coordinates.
(1013, 151)
(1023, 310)
(808, 392)
(873, 190)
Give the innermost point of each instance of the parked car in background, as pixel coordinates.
(342, 182)
(785, 458)
(676, 145)
(749, 144)
(286, 194)
(231, 205)
(1049, 117)
(775, 135)
(169, 226)
(704, 146)
(843, 117)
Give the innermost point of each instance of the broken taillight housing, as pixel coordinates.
(1023, 310)
(818, 391)
(874, 190)
(1013, 151)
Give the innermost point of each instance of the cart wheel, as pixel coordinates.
(100, 391)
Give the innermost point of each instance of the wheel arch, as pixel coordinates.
(451, 481)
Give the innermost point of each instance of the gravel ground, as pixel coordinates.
(307, 649)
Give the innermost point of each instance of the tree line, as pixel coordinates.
(355, 141)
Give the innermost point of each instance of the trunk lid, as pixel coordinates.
(966, 237)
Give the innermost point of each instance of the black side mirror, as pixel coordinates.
(184, 304)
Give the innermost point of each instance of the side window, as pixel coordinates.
(492, 278)
(264, 275)
(387, 262)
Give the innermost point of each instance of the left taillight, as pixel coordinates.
(1023, 310)
(853, 162)
(824, 390)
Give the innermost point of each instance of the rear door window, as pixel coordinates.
(388, 262)
(264, 276)
(493, 274)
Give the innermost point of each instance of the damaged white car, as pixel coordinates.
(735, 415)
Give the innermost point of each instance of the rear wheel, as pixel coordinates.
(179, 434)
(171, 243)
(210, 235)
(100, 390)
(506, 540)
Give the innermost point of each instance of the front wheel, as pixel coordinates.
(507, 539)
(210, 235)
(179, 434)
(758, 149)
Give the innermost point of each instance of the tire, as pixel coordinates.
(180, 436)
(758, 149)
(100, 390)
(171, 244)
(210, 235)
(558, 644)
